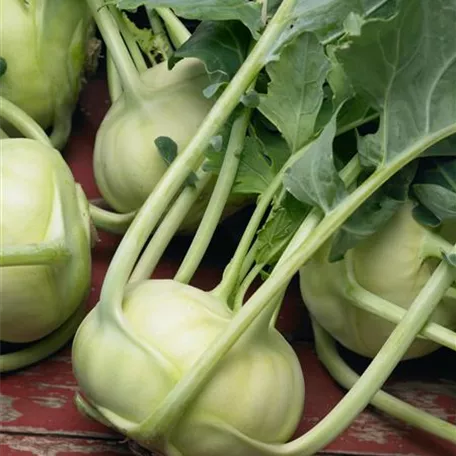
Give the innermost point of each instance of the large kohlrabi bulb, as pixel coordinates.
(127, 163)
(44, 244)
(394, 264)
(44, 43)
(256, 391)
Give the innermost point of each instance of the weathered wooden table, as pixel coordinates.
(37, 415)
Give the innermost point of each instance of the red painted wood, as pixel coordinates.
(37, 415)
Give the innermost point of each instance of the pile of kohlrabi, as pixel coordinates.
(336, 121)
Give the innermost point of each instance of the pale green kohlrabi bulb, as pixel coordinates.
(394, 264)
(44, 244)
(127, 163)
(44, 44)
(256, 391)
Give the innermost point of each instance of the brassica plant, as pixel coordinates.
(45, 45)
(313, 70)
(45, 262)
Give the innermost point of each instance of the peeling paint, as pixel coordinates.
(56, 447)
(53, 402)
(7, 412)
(41, 386)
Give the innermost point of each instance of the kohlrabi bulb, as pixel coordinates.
(44, 43)
(44, 244)
(256, 391)
(127, 163)
(394, 264)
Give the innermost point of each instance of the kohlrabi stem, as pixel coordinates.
(128, 73)
(111, 222)
(193, 381)
(152, 210)
(114, 82)
(87, 410)
(434, 246)
(370, 302)
(168, 227)
(22, 121)
(162, 41)
(176, 29)
(241, 259)
(217, 202)
(45, 253)
(129, 39)
(61, 127)
(44, 347)
(451, 293)
(345, 376)
(245, 285)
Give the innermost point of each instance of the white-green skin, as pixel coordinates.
(44, 43)
(394, 264)
(257, 390)
(127, 164)
(41, 203)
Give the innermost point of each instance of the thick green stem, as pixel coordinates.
(49, 253)
(111, 222)
(217, 202)
(376, 305)
(168, 228)
(245, 285)
(44, 347)
(128, 73)
(22, 121)
(193, 381)
(129, 40)
(114, 82)
(345, 376)
(171, 182)
(176, 29)
(161, 38)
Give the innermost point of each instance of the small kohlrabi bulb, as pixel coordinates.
(256, 390)
(127, 163)
(395, 263)
(45, 45)
(45, 241)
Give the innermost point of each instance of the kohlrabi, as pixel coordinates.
(393, 264)
(179, 346)
(45, 260)
(45, 46)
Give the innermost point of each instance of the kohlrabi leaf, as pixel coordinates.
(435, 188)
(3, 66)
(276, 233)
(444, 148)
(451, 259)
(221, 45)
(295, 93)
(406, 67)
(425, 217)
(263, 156)
(246, 11)
(168, 151)
(313, 179)
(374, 213)
(326, 18)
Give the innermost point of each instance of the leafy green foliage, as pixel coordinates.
(374, 213)
(295, 93)
(221, 45)
(246, 11)
(263, 157)
(314, 179)
(435, 188)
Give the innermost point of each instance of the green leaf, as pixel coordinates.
(168, 151)
(167, 148)
(435, 187)
(314, 179)
(444, 148)
(425, 217)
(222, 46)
(295, 93)
(246, 11)
(3, 66)
(451, 259)
(373, 213)
(276, 233)
(262, 158)
(408, 72)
